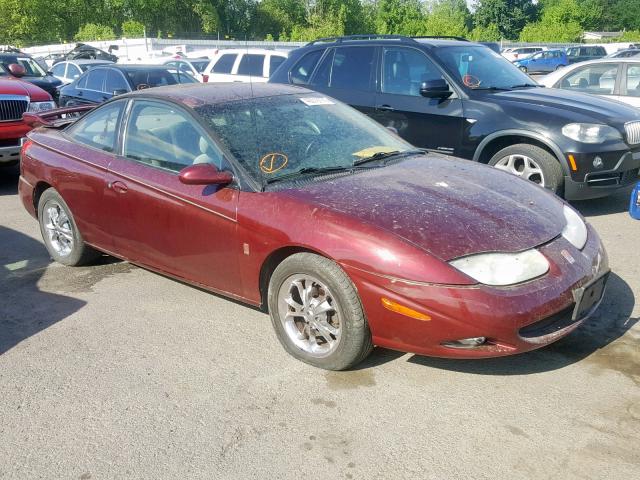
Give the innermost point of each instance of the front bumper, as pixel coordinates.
(618, 169)
(506, 316)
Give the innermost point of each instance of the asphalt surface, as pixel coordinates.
(111, 371)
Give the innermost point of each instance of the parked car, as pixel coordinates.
(634, 204)
(543, 62)
(82, 51)
(615, 78)
(518, 53)
(68, 71)
(290, 200)
(17, 97)
(631, 52)
(243, 65)
(580, 54)
(191, 66)
(101, 83)
(31, 72)
(462, 99)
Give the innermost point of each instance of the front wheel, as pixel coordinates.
(317, 314)
(532, 163)
(60, 232)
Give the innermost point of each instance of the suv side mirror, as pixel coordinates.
(17, 70)
(204, 174)
(435, 89)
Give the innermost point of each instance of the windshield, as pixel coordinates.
(279, 136)
(30, 65)
(481, 68)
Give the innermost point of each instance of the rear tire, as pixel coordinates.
(310, 300)
(531, 163)
(60, 233)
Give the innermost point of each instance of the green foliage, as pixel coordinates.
(448, 17)
(630, 36)
(551, 32)
(509, 15)
(132, 29)
(490, 33)
(94, 31)
(402, 17)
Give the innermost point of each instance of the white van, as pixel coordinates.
(242, 64)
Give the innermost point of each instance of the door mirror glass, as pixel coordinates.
(204, 174)
(437, 88)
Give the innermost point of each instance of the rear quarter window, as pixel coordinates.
(301, 72)
(225, 63)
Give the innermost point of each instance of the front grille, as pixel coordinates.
(12, 107)
(633, 132)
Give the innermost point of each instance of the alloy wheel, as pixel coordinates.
(522, 166)
(59, 228)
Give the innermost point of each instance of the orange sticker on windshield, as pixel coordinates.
(272, 162)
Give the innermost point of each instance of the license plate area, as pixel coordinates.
(589, 295)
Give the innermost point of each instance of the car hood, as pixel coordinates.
(449, 207)
(14, 86)
(48, 83)
(598, 108)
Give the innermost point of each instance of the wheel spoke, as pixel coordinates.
(66, 233)
(325, 330)
(301, 292)
(322, 308)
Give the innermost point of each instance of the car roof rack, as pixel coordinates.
(374, 36)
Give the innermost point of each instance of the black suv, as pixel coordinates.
(463, 99)
(33, 72)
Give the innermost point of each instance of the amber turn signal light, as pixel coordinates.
(572, 162)
(402, 310)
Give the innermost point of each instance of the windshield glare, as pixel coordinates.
(276, 136)
(480, 67)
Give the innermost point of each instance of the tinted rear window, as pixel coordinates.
(274, 63)
(95, 79)
(301, 73)
(225, 63)
(251, 65)
(151, 78)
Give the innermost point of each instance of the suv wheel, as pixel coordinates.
(530, 163)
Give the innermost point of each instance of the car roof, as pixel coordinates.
(259, 51)
(198, 94)
(88, 62)
(128, 67)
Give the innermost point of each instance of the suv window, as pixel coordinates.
(404, 69)
(251, 64)
(599, 78)
(274, 63)
(98, 129)
(58, 69)
(73, 72)
(301, 72)
(633, 80)
(95, 79)
(348, 68)
(224, 63)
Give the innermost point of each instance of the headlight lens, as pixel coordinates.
(575, 231)
(590, 132)
(500, 269)
(41, 106)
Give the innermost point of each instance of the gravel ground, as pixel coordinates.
(112, 371)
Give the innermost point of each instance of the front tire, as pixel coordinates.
(60, 232)
(531, 163)
(316, 313)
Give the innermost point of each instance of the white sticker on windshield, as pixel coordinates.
(314, 101)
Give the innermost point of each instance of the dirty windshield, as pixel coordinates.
(283, 136)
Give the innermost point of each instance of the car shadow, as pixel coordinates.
(9, 180)
(26, 310)
(610, 322)
(616, 203)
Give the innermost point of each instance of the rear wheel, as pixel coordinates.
(317, 314)
(532, 163)
(559, 67)
(60, 233)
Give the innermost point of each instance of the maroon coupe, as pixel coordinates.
(287, 199)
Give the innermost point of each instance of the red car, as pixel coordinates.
(17, 97)
(287, 199)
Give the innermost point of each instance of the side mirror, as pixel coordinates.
(204, 174)
(17, 70)
(435, 89)
(120, 91)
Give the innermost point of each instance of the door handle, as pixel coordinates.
(80, 93)
(117, 187)
(385, 108)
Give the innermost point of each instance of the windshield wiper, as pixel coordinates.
(385, 155)
(525, 85)
(306, 170)
(493, 89)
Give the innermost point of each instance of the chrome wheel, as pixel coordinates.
(522, 166)
(59, 228)
(310, 315)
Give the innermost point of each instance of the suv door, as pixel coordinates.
(427, 123)
(348, 74)
(630, 87)
(251, 68)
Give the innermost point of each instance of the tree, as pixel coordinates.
(132, 29)
(402, 17)
(448, 17)
(551, 32)
(510, 16)
(275, 17)
(490, 33)
(94, 31)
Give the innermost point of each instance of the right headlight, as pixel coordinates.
(590, 132)
(575, 231)
(501, 269)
